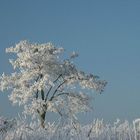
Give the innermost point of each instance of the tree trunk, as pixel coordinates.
(42, 119)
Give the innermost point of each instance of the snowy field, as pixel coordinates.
(98, 130)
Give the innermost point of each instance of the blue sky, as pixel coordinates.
(105, 33)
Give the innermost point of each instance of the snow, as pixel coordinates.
(97, 130)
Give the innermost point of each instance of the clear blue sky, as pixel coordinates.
(106, 34)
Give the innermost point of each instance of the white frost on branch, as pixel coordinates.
(43, 82)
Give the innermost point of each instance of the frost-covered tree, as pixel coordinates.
(44, 81)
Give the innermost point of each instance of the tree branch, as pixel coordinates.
(48, 93)
(51, 86)
(57, 90)
(37, 89)
(42, 94)
(57, 78)
(36, 94)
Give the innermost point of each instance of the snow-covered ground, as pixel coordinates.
(97, 130)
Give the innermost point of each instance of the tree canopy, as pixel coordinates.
(44, 81)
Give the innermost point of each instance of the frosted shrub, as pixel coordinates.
(136, 124)
(6, 126)
(97, 130)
